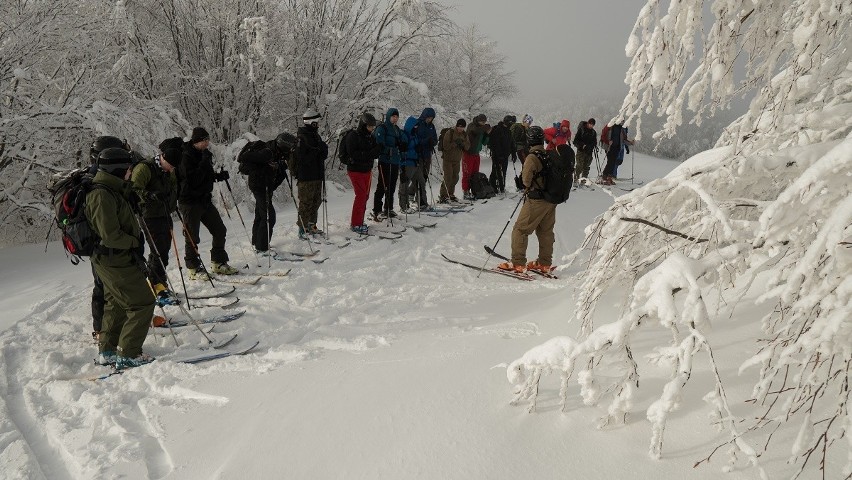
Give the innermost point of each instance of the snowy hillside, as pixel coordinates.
(378, 363)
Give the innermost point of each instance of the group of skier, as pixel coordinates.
(134, 198)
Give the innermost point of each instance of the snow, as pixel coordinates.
(379, 363)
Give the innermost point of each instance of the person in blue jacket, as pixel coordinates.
(427, 139)
(393, 142)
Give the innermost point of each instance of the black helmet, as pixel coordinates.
(102, 143)
(535, 136)
(285, 142)
(115, 160)
(367, 119)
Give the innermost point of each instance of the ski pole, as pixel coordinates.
(245, 229)
(494, 248)
(225, 204)
(180, 267)
(268, 199)
(632, 164)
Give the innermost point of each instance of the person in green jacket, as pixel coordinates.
(129, 302)
(155, 183)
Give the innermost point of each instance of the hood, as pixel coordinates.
(565, 123)
(391, 112)
(427, 112)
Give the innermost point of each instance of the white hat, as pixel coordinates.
(311, 116)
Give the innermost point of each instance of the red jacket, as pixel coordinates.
(554, 136)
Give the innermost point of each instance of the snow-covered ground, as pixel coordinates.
(383, 362)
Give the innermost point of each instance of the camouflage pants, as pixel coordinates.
(310, 201)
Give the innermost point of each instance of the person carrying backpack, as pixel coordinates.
(519, 136)
(501, 145)
(453, 145)
(538, 214)
(118, 262)
(410, 174)
(586, 140)
(195, 203)
(265, 164)
(557, 135)
(155, 183)
(311, 153)
(427, 139)
(477, 132)
(393, 142)
(361, 150)
(617, 145)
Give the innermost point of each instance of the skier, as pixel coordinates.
(617, 143)
(155, 184)
(501, 145)
(427, 139)
(393, 143)
(477, 131)
(555, 136)
(118, 262)
(537, 214)
(266, 167)
(362, 149)
(586, 141)
(455, 143)
(519, 136)
(311, 153)
(195, 202)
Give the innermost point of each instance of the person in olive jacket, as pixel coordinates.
(266, 167)
(195, 202)
(454, 144)
(155, 182)
(118, 262)
(363, 150)
(311, 153)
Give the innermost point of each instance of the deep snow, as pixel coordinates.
(383, 362)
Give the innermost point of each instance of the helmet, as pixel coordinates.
(115, 160)
(367, 119)
(311, 116)
(102, 143)
(285, 142)
(535, 136)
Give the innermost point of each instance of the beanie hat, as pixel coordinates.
(461, 123)
(591, 121)
(528, 119)
(311, 116)
(199, 134)
(508, 120)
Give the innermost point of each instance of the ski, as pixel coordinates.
(276, 274)
(238, 279)
(289, 257)
(383, 235)
(451, 210)
(519, 276)
(507, 259)
(421, 223)
(228, 303)
(228, 317)
(373, 229)
(205, 296)
(335, 243)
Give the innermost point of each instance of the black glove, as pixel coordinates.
(627, 148)
(459, 144)
(152, 196)
(222, 176)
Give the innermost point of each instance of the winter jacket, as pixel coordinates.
(554, 136)
(455, 144)
(478, 135)
(391, 139)
(196, 175)
(519, 135)
(532, 166)
(267, 169)
(362, 149)
(500, 141)
(586, 138)
(410, 155)
(149, 180)
(311, 153)
(111, 216)
(427, 137)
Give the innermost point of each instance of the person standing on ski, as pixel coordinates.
(393, 143)
(155, 183)
(427, 139)
(586, 140)
(536, 215)
(118, 262)
(363, 150)
(616, 144)
(454, 144)
(477, 132)
(311, 153)
(555, 136)
(501, 145)
(195, 203)
(266, 168)
(519, 136)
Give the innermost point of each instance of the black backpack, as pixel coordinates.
(480, 187)
(441, 138)
(342, 153)
(558, 175)
(244, 167)
(68, 191)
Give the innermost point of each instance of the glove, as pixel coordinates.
(222, 176)
(459, 144)
(627, 148)
(152, 196)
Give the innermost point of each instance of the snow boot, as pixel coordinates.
(224, 269)
(509, 267)
(198, 274)
(122, 362)
(106, 358)
(539, 267)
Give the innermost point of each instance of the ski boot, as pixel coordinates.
(509, 267)
(198, 274)
(224, 269)
(122, 362)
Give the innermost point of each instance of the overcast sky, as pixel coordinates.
(559, 49)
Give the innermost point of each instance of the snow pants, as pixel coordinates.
(197, 214)
(310, 201)
(537, 216)
(584, 163)
(129, 304)
(470, 165)
(264, 219)
(385, 188)
(451, 178)
(159, 236)
(361, 185)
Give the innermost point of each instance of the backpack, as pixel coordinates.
(605, 135)
(68, 192)
(558, 174)
(246, 168)
(441, 138)
(615, 135)
(342, 154)
(480, 187)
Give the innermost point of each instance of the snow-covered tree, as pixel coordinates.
(766, 214)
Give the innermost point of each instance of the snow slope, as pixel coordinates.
(378, 363)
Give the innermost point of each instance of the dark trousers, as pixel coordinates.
(195, 215)
(97, 302)
(385, 187)
(159, 243)
(310, 201)
(498, 173)
(611, 162)
(264, 220)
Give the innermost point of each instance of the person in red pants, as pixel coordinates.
(362, 150)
